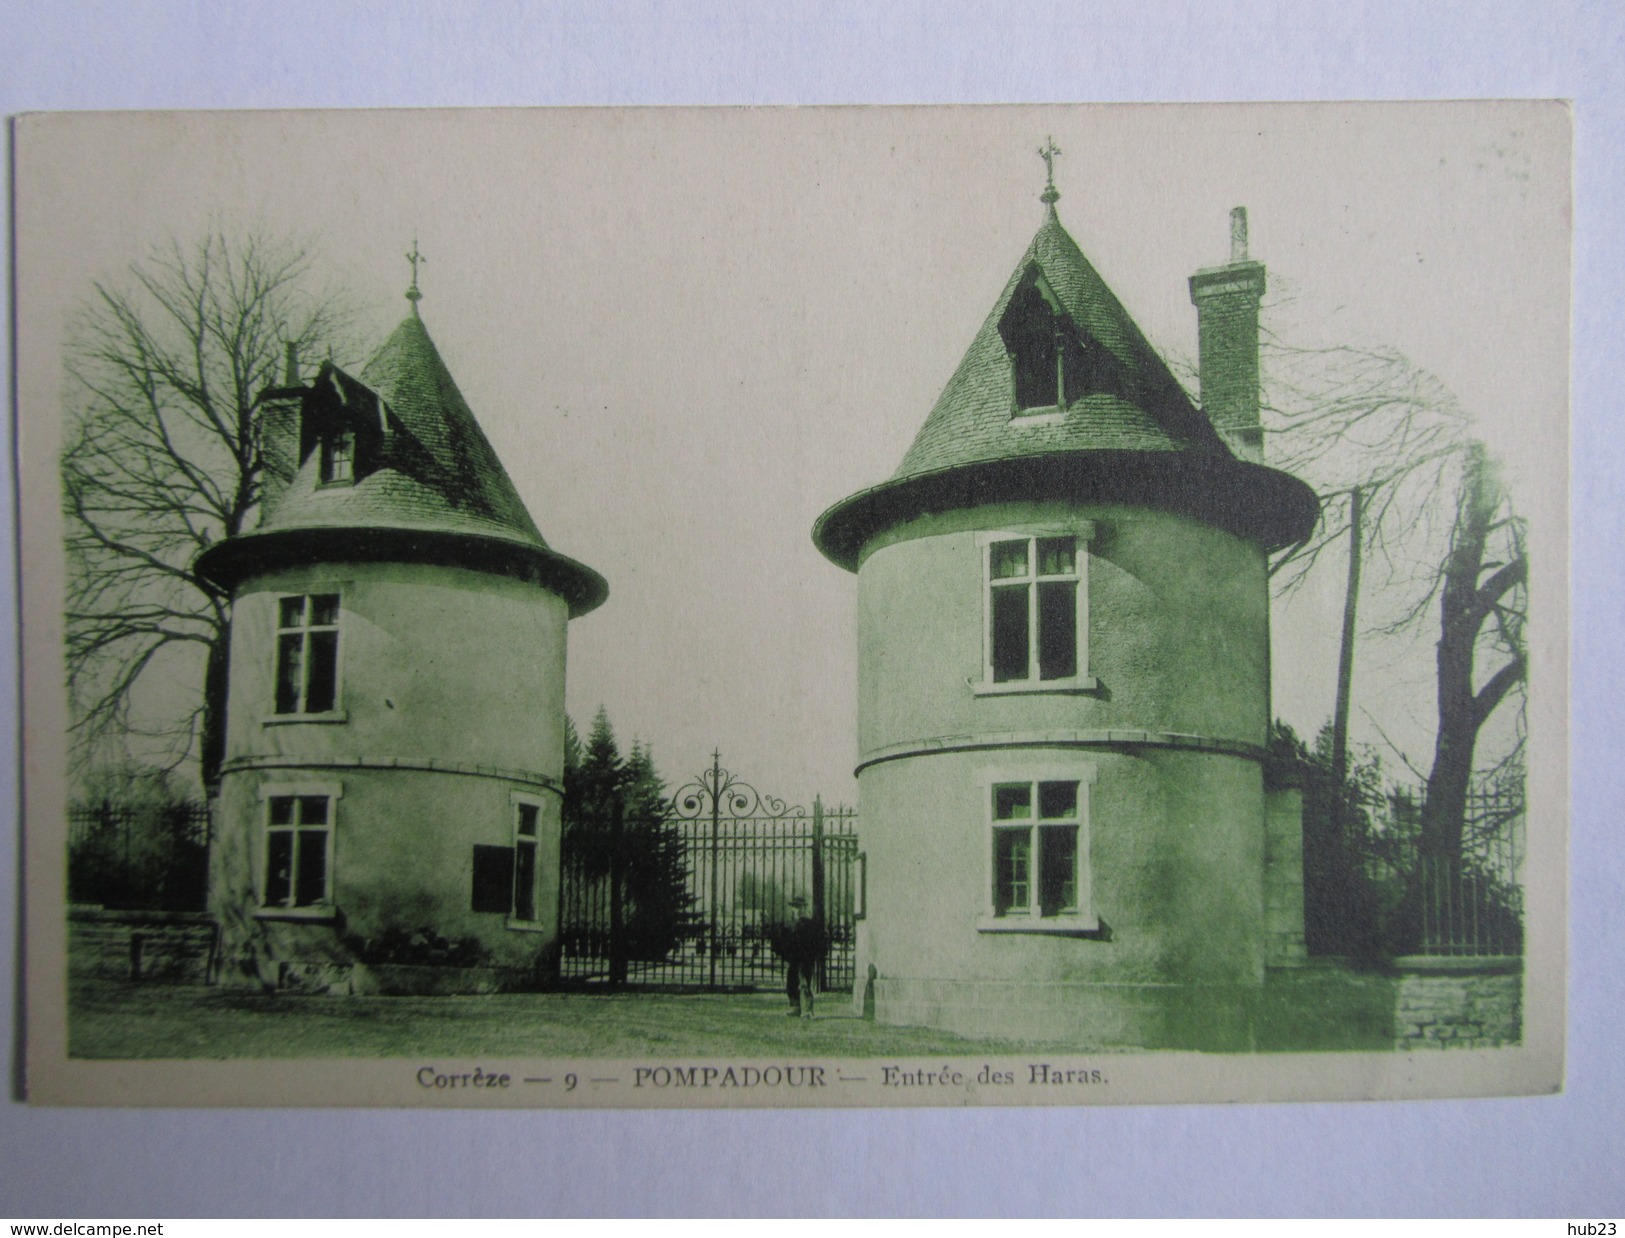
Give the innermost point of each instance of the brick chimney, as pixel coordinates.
(280, 411)
(1226, 300)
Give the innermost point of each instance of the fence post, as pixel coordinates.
(715, 900)
(819, 917)
(617, 942)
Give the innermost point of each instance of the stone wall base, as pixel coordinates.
(1475, 1006)
(161, 947)
(382, 979)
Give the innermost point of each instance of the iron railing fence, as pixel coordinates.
(1448, 906)
(139, 857)
(741, 858)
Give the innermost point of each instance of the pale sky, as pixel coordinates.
(688, 333)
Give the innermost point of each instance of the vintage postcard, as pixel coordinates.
(781, 607)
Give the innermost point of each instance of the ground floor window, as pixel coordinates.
(524, 862)
(1039, 868)
(298, 850)
(506, 878)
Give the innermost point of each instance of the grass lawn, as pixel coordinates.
(1298, 1011)
(107, 1019)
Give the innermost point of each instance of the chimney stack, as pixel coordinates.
(1226, 300)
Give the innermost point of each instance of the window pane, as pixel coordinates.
(1076, 367)
(312, 868)
(324, 609)
(527, 820)
(1058, 869)
(1009, 634)
(289, 663)
(524, 880)
(292, 612)
(1057, 800)
(313, 810)
(1057, 629)
(1011, 861)
(282, 810)
(321, 684)
(278, 867)
(1013, 801)
(1006, 559)
(1056, 556)
(337, 453)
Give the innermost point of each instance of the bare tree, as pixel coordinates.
(1481, 656)
(1408, 492)
(161, 459)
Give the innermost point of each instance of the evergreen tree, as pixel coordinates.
(615, 832)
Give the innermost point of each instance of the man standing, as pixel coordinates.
(800, 943)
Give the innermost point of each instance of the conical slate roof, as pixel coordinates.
(438, 469)
(1131, 437)
(425, 484)
(1146, 411)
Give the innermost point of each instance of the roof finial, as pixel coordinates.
(1047, 152)
(1238, 234)
(412, 293)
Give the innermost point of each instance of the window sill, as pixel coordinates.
(525, 926)
(304, 915)
(1027, 687)
(1047, 926)
(1044, 415)
(328, 718)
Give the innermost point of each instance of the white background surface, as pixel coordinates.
(1554, 1156)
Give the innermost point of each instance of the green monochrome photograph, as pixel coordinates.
(825, 606)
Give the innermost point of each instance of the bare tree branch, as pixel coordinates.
(161, 461)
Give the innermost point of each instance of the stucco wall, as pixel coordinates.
(1283, 878)
(451, 701)
(458, 665)
(402, 857)
(1178, 630)
(1170, 733)
(1175, 850)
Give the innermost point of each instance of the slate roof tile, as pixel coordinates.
(436, 470)
(972, 419)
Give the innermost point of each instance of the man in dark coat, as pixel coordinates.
(799, 941)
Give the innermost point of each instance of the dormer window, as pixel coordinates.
(1049, 363)
(338, 458)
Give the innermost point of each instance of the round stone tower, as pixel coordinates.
(1064, 686)
(391, 783)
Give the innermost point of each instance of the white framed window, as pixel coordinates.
(507, 879)
(297, 876)
(1035, 616)
(527, 816)
(338, 458)
(307, 654)
(1038, 874)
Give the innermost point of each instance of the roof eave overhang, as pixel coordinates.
(1253, 501)
(230, 562)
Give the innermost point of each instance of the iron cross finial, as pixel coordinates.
(1047, 152)
(415, 258)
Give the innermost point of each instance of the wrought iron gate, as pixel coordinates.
(743, 856)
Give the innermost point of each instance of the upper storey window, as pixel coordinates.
(1036, 617)
(307, 654)
(1049, 363)
(338, 458)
